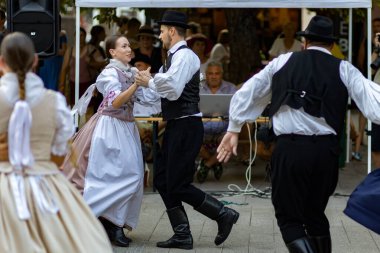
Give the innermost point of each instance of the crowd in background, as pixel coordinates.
(58, 72)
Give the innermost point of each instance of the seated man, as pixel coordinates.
(213, 131)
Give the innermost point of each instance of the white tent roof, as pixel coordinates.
(227, 3)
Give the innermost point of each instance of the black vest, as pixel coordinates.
(311, 80)
(187, 103)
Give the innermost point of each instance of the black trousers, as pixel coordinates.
(304, 175)
(176, 162)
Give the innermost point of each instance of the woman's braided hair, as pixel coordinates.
(17, 50)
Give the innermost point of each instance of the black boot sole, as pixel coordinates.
(124, 245)
(187, 247)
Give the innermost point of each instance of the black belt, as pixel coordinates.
(313, 138)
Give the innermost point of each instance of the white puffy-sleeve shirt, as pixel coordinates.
(108, 84)
(249, 102)
(34, 89)
(184, 64)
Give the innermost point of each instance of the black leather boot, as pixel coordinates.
(322, 244)
(119, 238)
(115, 234)
(301, 245)
(182, 238)
(224, 216)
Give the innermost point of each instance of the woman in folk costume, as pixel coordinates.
(40, 211)
(362, 206)
(110, 166)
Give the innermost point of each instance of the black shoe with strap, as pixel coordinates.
(224, 216)
(182, 238)
(218, 171)
(115, 233)
(202, 172)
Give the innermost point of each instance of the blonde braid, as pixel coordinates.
(21, 80)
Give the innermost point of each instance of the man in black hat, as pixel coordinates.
(308, 91)
(178, 85)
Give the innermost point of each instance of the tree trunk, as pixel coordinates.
(244, 46)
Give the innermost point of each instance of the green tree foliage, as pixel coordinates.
(65, 4)
(106, 16)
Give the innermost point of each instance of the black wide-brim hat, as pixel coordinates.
(174, 18)
(141, 58)
(320, 28)
(200, 37)
(146, 31)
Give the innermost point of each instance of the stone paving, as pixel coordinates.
(256, 230)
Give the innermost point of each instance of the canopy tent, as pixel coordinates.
(347, 4)
(227, 3)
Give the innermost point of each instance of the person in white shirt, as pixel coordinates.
(221, 51)
(308, 91)
(178, 85)
(286, 42)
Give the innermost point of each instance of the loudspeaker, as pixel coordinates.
(39, 19)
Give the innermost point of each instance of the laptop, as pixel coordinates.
(215, 105)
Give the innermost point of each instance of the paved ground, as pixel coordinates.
(256, 230)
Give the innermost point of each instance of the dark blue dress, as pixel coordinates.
(363, 205)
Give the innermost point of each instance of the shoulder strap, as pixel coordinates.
(181, 47)
(168, 61)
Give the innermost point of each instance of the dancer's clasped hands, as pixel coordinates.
(143, 77)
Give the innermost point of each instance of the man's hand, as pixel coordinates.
(145, 72)
(143, 77)
(4, 147)
(227, 146)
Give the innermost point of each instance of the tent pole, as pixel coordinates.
(369, 49)
(348, 118)
(350, 35)
(77, 53)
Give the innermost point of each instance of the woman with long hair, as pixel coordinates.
(110, 169)
(40, 210)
